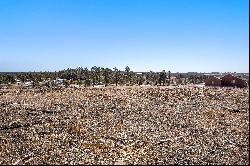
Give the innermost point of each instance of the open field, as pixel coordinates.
(124, 125)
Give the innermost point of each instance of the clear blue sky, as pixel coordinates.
(176, 35)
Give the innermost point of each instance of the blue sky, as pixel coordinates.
(176, 35)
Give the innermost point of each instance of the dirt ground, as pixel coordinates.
(124, 125)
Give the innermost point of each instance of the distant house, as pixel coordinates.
(227, 80)
(99, 84)
(74, 86)
(18, 82)
(3, 86)
(58, 81)
(28, 84)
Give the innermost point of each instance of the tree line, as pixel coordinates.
(99, 75)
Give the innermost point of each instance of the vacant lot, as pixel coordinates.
(124, 125)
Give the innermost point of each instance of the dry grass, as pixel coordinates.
(135, 125)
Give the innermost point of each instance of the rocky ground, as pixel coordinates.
(124, 125)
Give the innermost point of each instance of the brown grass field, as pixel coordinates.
(124, 125)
